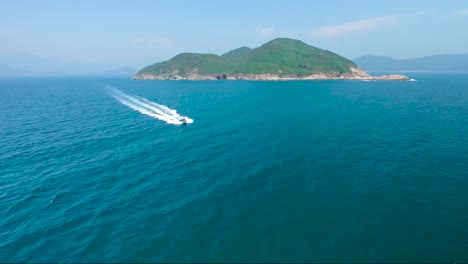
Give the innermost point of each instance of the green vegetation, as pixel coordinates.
(237, 54)
(282, 56)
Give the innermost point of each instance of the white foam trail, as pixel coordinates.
(147, 107)
(136, 101)
(163, 108)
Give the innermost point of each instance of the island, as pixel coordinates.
(279, 59)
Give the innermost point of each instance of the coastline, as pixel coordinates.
(355, 74)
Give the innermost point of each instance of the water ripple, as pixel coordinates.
(270, 172)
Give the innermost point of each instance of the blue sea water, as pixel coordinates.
(296, 171)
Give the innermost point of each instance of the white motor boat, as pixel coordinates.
(182, 119)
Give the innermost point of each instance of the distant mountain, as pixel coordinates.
(280, 58)
(7, 71)
(46, 65)
(440, 63)
(122, 71)
(32, 63)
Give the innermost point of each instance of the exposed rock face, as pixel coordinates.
(355, 74)
(221, 77)
(391, 78)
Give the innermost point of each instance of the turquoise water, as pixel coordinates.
(297, 171)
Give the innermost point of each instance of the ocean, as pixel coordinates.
(279, 171)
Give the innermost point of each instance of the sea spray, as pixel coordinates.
(147, 107)
(138, 102)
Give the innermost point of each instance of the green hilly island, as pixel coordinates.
(279, 59)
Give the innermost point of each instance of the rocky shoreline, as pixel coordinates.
(355, 74)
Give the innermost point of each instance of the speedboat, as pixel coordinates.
(182, 119)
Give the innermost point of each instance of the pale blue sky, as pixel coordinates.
(144, 31)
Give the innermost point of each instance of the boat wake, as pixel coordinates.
(149, 108)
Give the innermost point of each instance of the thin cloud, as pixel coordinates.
(368, 24)
(463, 12)
(353, 27)
(137, 40)
(266, 31)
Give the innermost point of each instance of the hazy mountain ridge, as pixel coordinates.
(27, 64)
(436, 63)
(6, 70)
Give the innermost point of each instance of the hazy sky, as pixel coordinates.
(139, 32)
